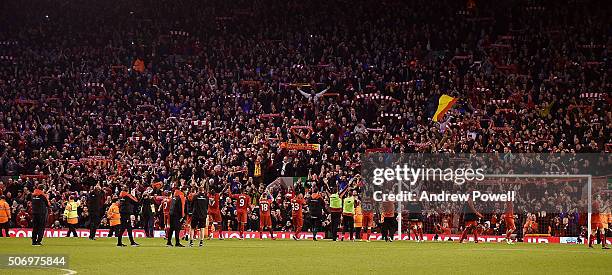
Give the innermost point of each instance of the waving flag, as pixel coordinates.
(445, 102)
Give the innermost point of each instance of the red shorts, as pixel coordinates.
(471, 223)
(215, 216)
(509, 223)
(298, 221)
(241, 216)
(187, 222)
(368, 220)
(265, 221)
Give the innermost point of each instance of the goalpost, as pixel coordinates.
(589, 179)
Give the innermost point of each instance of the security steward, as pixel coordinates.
(72, 216)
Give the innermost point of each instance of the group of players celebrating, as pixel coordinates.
(199, 211)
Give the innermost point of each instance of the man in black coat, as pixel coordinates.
(95, 205)
(316, 207)
(199, 209)
(40, 211)
(147, 214)
(177, 216)
(127, 207)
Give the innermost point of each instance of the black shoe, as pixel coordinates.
(121, 245)
(179, 245)
(134, 244)
(605, 247)
(169, 245)
(190, 243)
(36, 244)
(201, 243)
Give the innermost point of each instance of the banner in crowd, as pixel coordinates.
(250, 83)
(378, 150)
(139, 233)
(300, 146)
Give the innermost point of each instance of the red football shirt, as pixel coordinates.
(296, 206)
(242, 202)
(166, 206)
(213, 203)
(367, 205)
(264, 207)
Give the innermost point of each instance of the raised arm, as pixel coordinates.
(344, 191)
(307, 95)
(317, 95)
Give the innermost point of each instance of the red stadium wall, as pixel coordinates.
(139, 233)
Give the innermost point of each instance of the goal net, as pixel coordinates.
(540, 205)
(544, 207)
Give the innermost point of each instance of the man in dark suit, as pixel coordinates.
(95, 205)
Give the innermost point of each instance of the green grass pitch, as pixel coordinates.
(308, 257)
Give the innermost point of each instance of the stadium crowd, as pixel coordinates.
(159, 94)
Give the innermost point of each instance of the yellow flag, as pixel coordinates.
(445, 102)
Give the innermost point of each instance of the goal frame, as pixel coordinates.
(584, 176)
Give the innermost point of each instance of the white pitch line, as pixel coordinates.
(68, 271)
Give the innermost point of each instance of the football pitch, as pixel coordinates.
(308, 257)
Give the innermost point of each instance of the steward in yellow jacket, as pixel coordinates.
(72, 215)
(5, 216)
(114, 218)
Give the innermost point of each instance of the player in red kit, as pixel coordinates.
(597, 224)
(471, 216)
(367, 208)
(509, 221)
(243, 205)
(265, 221)
(296, 215)
(164, 207)
(214, 212)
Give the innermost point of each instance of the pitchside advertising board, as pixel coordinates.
(84, 233)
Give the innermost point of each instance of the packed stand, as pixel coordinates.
(159, 94)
